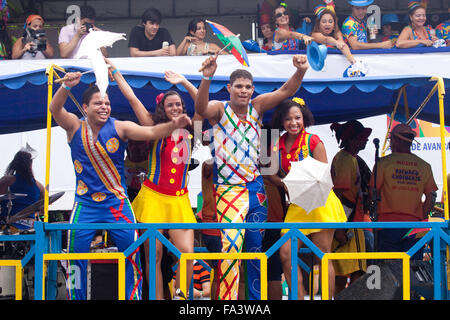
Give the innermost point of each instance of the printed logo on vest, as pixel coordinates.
(81, 188)
(112, 145)
(78, 166)
(98, 196)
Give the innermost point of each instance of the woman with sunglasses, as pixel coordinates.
(417, 33)
(285, 38)
(326, 32)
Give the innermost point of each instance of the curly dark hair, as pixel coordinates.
(160, 114)
(282, 110)
(21, 164)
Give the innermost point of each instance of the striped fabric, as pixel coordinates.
(237, 147)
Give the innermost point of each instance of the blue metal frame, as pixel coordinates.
(47, 240)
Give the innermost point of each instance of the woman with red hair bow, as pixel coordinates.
(416, 33)
(326, 30)
(25, 49)
(163, 197)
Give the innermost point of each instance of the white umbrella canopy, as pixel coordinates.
(309, 183)
(90, 48)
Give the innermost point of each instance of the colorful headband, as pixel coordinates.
(283, 4)
(33, 17)
(159, 98)
(413, 4)
(300, 101)
(329, 5)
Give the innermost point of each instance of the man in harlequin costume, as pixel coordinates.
(239, 187)
(97, 143)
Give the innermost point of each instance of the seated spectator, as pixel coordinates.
(5, 41)
(71, 36)
(354, 28)
(148, 39)
(326, 31)
(285, 38)
(416, 33)
(267, 32)
(33, 44)
(443, 31)
(390, 27)
(194, 43)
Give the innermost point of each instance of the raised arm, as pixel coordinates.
(267, 101)
(143, 115)
(176, 78)
(206, 109)
(66, 120)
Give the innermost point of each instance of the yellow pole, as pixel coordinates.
(19, 273)
(394, 111)
(49, 73)
(121, 277)
(441, 94)
(324, 276)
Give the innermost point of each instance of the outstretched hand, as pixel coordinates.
(182, 121)
(300, 62)
(173, 77)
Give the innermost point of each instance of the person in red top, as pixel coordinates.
(294, 145)
(163, 197)
(402, 180)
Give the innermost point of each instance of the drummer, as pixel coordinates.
(25, 189)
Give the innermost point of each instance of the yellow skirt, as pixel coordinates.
(356, 244)
(332, 211)
(150, 206)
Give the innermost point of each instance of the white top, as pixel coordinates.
(66, 34)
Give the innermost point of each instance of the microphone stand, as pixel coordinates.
(375, 196)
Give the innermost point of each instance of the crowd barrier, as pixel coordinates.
(46, 249)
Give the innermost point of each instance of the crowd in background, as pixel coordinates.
(162, 195)
(275, 25)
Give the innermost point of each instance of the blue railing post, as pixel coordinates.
(294, 274)
(39, 260)
(52, 283)
(152, 265)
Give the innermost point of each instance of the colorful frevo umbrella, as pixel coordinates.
(230, 40)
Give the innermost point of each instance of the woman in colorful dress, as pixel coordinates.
(163, 197)
(285, 37)
(416, 33)
(326, 32)
(295, 145)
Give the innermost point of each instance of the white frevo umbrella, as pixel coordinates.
(309, 183)
(90, 48)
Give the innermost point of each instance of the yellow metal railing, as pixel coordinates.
(91, 256)
(229, 256)
(19, 273)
